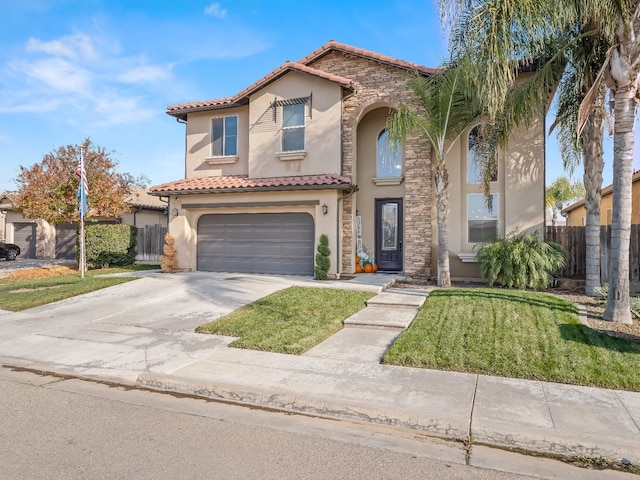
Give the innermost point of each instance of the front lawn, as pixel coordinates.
(289, 321)
(16, 295)
(514, 334)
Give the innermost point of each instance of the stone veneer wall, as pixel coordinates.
(378, 84)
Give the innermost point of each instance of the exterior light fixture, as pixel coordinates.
(174, 212)
(325, 208)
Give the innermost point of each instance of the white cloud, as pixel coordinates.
(215, 10)
(71, 46)
(145, 74)
(56, 73)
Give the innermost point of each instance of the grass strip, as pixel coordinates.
(17, 295)
(289, 321)
(514, 334)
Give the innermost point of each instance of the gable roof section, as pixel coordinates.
(332, 45)
(242, 183)
(242, 97)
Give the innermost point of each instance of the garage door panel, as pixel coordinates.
(280, 243)
(24, 235)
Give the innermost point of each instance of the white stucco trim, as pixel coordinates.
(467, 257)
(294, 155)
(388, 180)
(226, 160)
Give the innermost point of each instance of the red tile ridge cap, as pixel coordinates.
(269, 77)
(361, 52)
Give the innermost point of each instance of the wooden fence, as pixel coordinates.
(573, 239)
(149, 243)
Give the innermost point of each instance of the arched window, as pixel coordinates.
(389, 157)
(474, 169)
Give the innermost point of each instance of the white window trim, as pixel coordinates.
(223, 159)
(496, 210)
(284, 153)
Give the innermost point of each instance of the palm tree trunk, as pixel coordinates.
(617, 308)
(592, 138)
(442, 214)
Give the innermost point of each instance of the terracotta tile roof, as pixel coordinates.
(242, 97)
(242, 183)
(361, 52)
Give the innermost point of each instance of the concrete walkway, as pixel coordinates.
(139, 333)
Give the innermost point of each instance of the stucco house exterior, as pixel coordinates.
(39, 239)
(576, 213)
(303, 152)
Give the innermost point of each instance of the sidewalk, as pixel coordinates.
(125, 348)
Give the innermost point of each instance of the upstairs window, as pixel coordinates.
(293, 127)
(474, 168)
(389, 157)
(482, 222)
(224, 136)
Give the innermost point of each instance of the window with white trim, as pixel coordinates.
(224, 136)
(388, 157)
(293, 127)
(482, 222)
(474, 170)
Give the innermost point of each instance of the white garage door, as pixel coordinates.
(277, 243)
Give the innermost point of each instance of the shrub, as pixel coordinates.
(322, 258)
(169, 257)
(521, 261)
(110, 245)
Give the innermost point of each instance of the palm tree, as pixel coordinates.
(561, 191)
(444, 108)
(622, 70)
(499, 32)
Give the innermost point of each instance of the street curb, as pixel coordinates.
(285, 402)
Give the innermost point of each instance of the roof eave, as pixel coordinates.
(255, 189)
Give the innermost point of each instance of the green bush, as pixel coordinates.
(110, 245)
(521, 261)
(323, 261)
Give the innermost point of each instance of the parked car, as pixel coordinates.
(9, 251)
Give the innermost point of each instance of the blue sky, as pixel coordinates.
(108, 69)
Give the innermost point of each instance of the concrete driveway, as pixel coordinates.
(157, 301)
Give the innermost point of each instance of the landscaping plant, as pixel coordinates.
(322, 259)
(521, 261)
(169, 260)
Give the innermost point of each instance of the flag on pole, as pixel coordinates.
(83, 188)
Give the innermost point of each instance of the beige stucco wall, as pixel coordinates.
(145, 217)
(369, 128)
(184, 226)
(322, 127)
(520, 189)
(575, 217)
(45, 234)
(199, 159)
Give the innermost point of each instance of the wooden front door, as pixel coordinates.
(388, 225)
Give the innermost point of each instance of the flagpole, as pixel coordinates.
(82, 244)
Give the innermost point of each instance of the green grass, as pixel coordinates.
(23, 294)
(514, 334)
(289, 321)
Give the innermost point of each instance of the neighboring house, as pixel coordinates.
(40, 239)
(576, 212)
(302, 152)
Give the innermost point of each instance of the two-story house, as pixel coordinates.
(303, 152)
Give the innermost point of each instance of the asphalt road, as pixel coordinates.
(53, 428)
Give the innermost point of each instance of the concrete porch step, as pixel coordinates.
(382, 317)
(397, 300)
